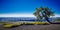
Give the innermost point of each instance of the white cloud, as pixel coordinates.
(22, 15)
(56, 15)
(17, 15)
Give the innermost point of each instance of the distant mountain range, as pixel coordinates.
(17, 19)
(14, 19)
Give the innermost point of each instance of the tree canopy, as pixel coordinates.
(43, 12)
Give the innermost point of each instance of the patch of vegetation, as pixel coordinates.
(3, 22)
(37, 23)
(42, 23)
(57, 20)
(9, 25)
(29, 23)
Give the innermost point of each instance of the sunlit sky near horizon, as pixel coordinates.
(26, 7)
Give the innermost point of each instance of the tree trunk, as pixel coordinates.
(47, 19)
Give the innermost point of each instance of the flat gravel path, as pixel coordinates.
(34, 27)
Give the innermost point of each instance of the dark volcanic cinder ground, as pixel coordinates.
(34, 27)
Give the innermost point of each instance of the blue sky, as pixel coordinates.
(27, 6)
